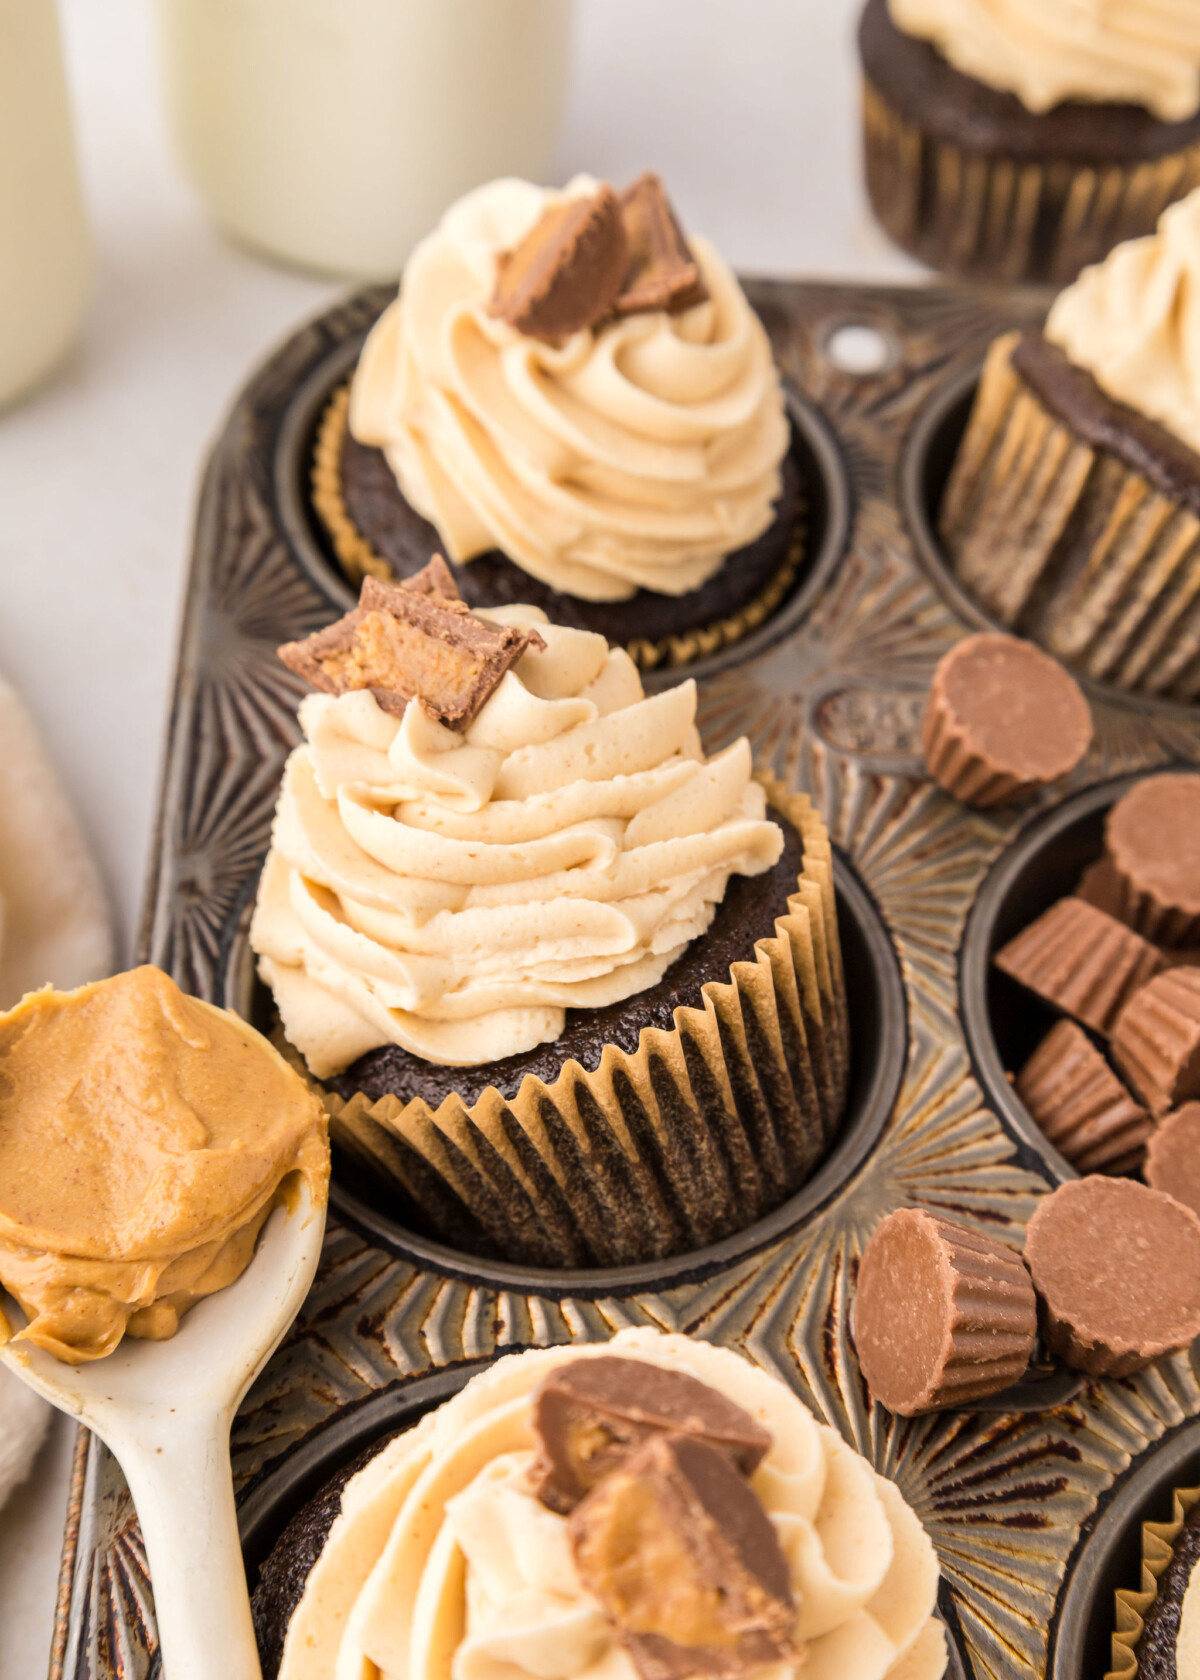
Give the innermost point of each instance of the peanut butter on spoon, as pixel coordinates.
(145, 1137)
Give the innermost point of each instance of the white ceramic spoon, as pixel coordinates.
(165, 1410)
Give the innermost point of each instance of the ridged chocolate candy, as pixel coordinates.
(1002, 720)
(1117, 1270)
(1156, 1039)
(1081, 1105)
(1173, 1156)
(1153, 839)
(1081, 960)
(942, 1316)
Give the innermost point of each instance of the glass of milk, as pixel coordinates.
(45, 252)
(333, 133)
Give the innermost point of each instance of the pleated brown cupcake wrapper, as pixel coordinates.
(1069, 546)
(1158, 1542)
(1081, 1105)
(693, 1136)
(1008, 219)
(1081, 961)
(358, 558)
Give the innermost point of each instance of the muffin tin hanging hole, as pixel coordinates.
(862, 349)
(1003, 1022)
(815, 456)
(878, 1051)
(925, 468)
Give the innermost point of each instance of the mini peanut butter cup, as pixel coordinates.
(1173, 1156)
(942, 1316)
(1153, 840)
(1081, 1105)
(1082, 961)
(566, 273)
(1116, 1266)
(1003, 719)
(1156, 1039)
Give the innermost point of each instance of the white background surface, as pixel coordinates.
(748, 108)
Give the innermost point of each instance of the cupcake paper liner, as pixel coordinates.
(1068, 545)
(701, 1131)
(1007, 220)
(1081, 1105)
(1158, 1542)
(358, 558)
(1081, 961)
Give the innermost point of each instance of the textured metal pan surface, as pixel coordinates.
(833, 705)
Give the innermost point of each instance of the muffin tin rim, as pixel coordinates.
(934, 562)
(849, 1154)
(289, 476)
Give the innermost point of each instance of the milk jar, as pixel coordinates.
(45, 256)
(333, 133)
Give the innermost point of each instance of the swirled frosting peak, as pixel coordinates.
(1139, 52)
(456, 892)
(443, 1565)
(1133, 321)
(637, 454)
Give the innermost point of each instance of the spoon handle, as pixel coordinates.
(179, 1475)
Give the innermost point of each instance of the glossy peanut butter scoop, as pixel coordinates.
(144, 1138)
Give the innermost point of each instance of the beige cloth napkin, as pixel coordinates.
(54, 927)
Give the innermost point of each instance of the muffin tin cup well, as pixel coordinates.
(878, 1049)
(826, 515)
(1003, 1022)
(926, 464)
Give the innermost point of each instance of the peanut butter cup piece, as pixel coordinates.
(1081, 1105)
(1173, 1156)
(662, 272)
(566, 273)
(1156, 1039)
(942, 1315)
(1002, 720)
(686, 1563)
(1081, 960)
(412, 642)
(590, 1415)
(1153, 840)
(1116, 1266)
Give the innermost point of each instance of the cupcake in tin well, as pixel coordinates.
(1158, 1628)
(579, 407)
(1009, 140)
(1072, 513)
(651, 1507)
(576, 993)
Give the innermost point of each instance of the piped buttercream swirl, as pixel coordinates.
(442, 1565)
(636, 455)
(1140, 52)
(1133, 321)
(456, 893)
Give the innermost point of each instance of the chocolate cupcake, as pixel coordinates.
(1007, 146)
(580, 408)
(575, 993)
(1072, 513)
(651, 1506)
(1158, 1628)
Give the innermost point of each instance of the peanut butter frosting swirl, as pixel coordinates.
(1140, 52)
(1133, 321)
(636, 455)
(144, 1138)
(442, 1564)
(456, 893)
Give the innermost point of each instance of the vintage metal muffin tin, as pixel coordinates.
(1018, 1497)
